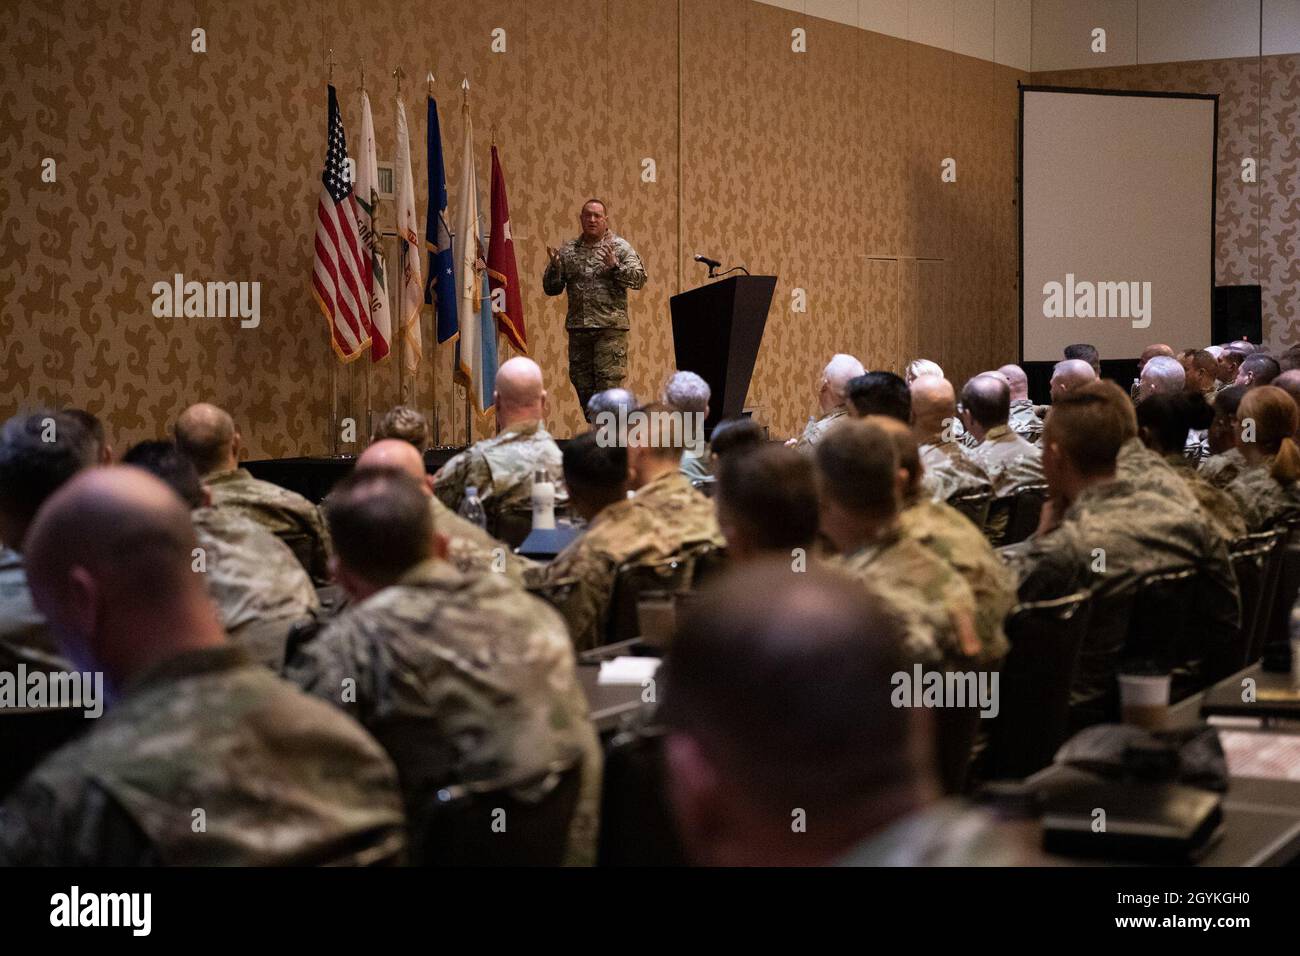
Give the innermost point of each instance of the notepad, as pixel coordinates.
(1268, 756)
(628, 670)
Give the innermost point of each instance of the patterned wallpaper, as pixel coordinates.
(822, 167)
(1256, 232)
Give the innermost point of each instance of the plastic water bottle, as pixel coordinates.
(471, 508)
(543, 501)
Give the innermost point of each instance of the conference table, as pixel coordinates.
(1261, 817)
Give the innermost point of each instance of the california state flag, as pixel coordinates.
(367, 195)
(410, 284)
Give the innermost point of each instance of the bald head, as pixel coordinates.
(393, 453)
(1150, 352)
(1070, 375)
(520, 395)
(207, 436)
(1162, 375)
(986, 399)
(1017, 380)
(834, 388)
(934, 406)
(94, 545)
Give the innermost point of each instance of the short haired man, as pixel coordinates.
(1085, 353)
(1150, 352)
(1223, 461)
(598, 268)
(688, 394)
(1009, 461)
(192, 724)
(405, 424)
(1162, 375)
(1257, 369)
(832, 399)
(1137, 527)
(39, 452)
(207, 436)
(1068, 375)
(580, 579)
(1202, 372)
(462, 678)
(258, 585)
(661, 488)
(610, 402)
(858, 483)
(767, 503)
(881, 393)
(1024, 420)
(778, 695)
(501, 468)
(949, 468)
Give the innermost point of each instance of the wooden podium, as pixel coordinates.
(717, 329)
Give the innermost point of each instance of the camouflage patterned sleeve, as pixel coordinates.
(321, 549)
(331, 667)
(630, 272)
(579, 587)
(1046, 566)
(466, 470)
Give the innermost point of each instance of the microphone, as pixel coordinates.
(711, 263)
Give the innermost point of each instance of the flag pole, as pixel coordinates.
(430, 280)
(399, 332)
(334, 365)
(370, 411)
(469, 407)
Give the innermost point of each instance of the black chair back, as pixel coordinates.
(523, 822)
(1034, 686)
(974, 505)
(672, 575)
(1284, 590)
(1255, 558)
(1164, 630)
(1022, 518)
(636, 826)
(28, 735)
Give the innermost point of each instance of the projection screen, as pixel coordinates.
(1117, 220)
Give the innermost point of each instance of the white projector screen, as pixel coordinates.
(1117, 220)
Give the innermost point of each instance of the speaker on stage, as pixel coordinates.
(1237, 314)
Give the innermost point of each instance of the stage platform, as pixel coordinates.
(314, 477)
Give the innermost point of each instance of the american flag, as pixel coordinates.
(339, 265)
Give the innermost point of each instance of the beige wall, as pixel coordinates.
(822, 167)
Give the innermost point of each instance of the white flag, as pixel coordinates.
(470, 267)
(410, 287)
(367, 195)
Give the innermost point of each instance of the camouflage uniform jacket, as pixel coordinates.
(1218, 505)
(281, 779)
(1143, 468)
(1263, 500)
(948, 833)
(24, 636)
(286, 514)
(952, 536)
(597, 292)
(817, 428)
(1113, 533)
(1222, 469)
(929, 596)
(471, 549)
(695, 467)
(1024, 421)
(686, 516)
(501, 469)
(258, 585)
(948, 470)
(580, 579)
(1009, 461)
(462, 678)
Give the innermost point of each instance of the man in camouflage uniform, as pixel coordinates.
(207, 436)
(597, 268)
(620, 530)
(38, 453)
(258, 585)
(825, 735)
(1022, 419)
(203, 757)
(767, 504)
(1101, 531)
(832, 399)
(953, 537)
(949, 469)
(1222, 461)
(501, 468)
(1009, 460)
(858, 471)
(686, 515)
(470, 549)
(462, 678)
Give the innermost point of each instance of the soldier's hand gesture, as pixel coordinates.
(554, 256)
(610, 256)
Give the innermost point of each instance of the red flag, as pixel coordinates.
(503, 273)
